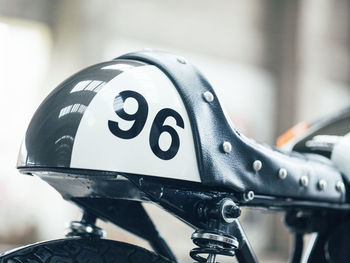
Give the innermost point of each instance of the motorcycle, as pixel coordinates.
(148, 127)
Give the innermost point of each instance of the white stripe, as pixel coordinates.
(95, 147)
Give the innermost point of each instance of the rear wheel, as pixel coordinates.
(81, 251)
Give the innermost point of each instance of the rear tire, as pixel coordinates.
(81, 251)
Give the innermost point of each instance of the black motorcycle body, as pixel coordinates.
(234, 171)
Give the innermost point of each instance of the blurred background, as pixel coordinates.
(272, 62)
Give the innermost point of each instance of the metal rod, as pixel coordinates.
(297, 248)
(211, 258)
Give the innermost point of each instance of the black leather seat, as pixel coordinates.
(235, 169)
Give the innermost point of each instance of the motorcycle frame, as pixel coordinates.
(117, 198)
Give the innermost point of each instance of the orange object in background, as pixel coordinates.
(292, 133)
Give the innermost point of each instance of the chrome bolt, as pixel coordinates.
(257, 165)
(227, 147)
(340, 187)
(208, 96)
(322, 185)
(81, 229)
(249, 196)
(181, 60)
(282, 173)
(229, 210)
(89, 229)
(304, 180)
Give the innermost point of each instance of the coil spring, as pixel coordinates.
(212, 244)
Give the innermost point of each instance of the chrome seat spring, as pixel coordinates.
(212, 244)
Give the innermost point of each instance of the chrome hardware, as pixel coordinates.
(208, 96)
(217, 239)
(340, 187)
(77, 228)
(229, 210)
(227, 147)
(282, 173)
(212, 244)
(85, 228)
(249, 196)
(304, 181)
(322, 185)
(257, 165)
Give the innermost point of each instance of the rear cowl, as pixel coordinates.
(120, 116)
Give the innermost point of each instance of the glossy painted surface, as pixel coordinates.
(137, 124)
(51, 133)
(119, 116)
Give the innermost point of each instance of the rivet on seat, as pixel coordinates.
(340, 187)
(227, 147)
(282, 173)
(304, 180)
(322, 184)
(257, 165)
(208, 96)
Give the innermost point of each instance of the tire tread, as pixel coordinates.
(82, 251)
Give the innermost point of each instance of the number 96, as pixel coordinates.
(140, 117)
